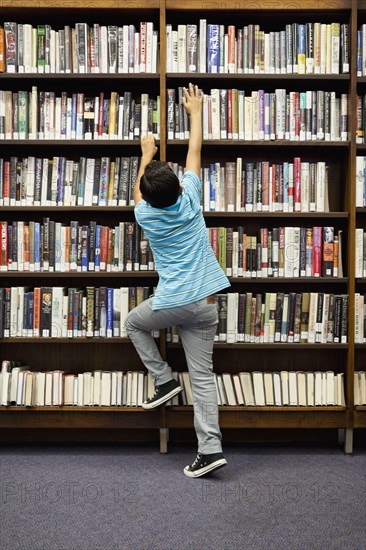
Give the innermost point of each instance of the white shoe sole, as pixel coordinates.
(209, 468)
(162, 400)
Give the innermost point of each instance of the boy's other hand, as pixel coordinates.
(148, 147)
(192, 101)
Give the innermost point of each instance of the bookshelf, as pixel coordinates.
(341, 156)
(359, 419)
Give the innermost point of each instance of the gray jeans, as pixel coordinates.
(196, 324)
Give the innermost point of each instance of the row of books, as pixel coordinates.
(293, 388)
(47, 115)
(360, 181)
(278, 252)
(279, 317)
(35, 181)
(57, 247)
(361, 51)
(263, 186)
(57, 312)
(258, 115)
(360, 252)
(80, 49)
(360, 321)
(298, 48)
(19, 385)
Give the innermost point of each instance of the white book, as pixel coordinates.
(312, 317)
(113, 388)
(5, 388)
(277, 388)
(238, 389)
(144, 114)
(248, 119)
(247, 387)
(292, 384)
(340, 389)
(57, 312)
(317, 388)
(215, 113)
(232, 317)
(123, 300)
(330, 383)
(301, 388)
(87, 396)
(80, 394)
(268, 388)
(97, 387)
(149, 46)
(258, 386)
(69, 389)
(229, 389)
(202, 46)
(182, 48)
(119, 389)
(89, 182)
(105, 399)
(362, 382)
(310, 388)
(285, 387)
(360, 171)
(168, 48)
(48, 388)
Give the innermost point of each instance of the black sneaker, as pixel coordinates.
(162, 394)
(205, 464)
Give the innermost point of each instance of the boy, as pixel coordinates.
(189, 275)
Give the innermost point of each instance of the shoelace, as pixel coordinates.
(155, 394)
(197, 460)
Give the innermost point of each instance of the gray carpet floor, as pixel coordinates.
(129, 497)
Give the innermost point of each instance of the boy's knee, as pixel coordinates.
(129, 325)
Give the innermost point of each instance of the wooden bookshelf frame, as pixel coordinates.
(344, 418)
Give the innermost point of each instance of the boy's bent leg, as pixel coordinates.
(197, 340)
(139, 324)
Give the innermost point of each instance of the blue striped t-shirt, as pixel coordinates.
(183, 256)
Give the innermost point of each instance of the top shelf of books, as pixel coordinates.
(255, 6)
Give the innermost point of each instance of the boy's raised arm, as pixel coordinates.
(149, 150)
(192, 102)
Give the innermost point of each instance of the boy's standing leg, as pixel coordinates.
(197, 337)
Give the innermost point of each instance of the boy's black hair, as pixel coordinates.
(159, 186)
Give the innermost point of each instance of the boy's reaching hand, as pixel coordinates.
(192, 101)
(148, 147)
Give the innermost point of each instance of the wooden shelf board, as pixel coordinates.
(79, 76)
(267, 408)
(75, 408)
(77, 274)
(276, 143)
(359, 417)
(322, 280)
(71, 142)
(65, 341)
(344, 215)
(279, 346)
(238, 76)
(85, 4)
(30, 208)
(219, 6)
